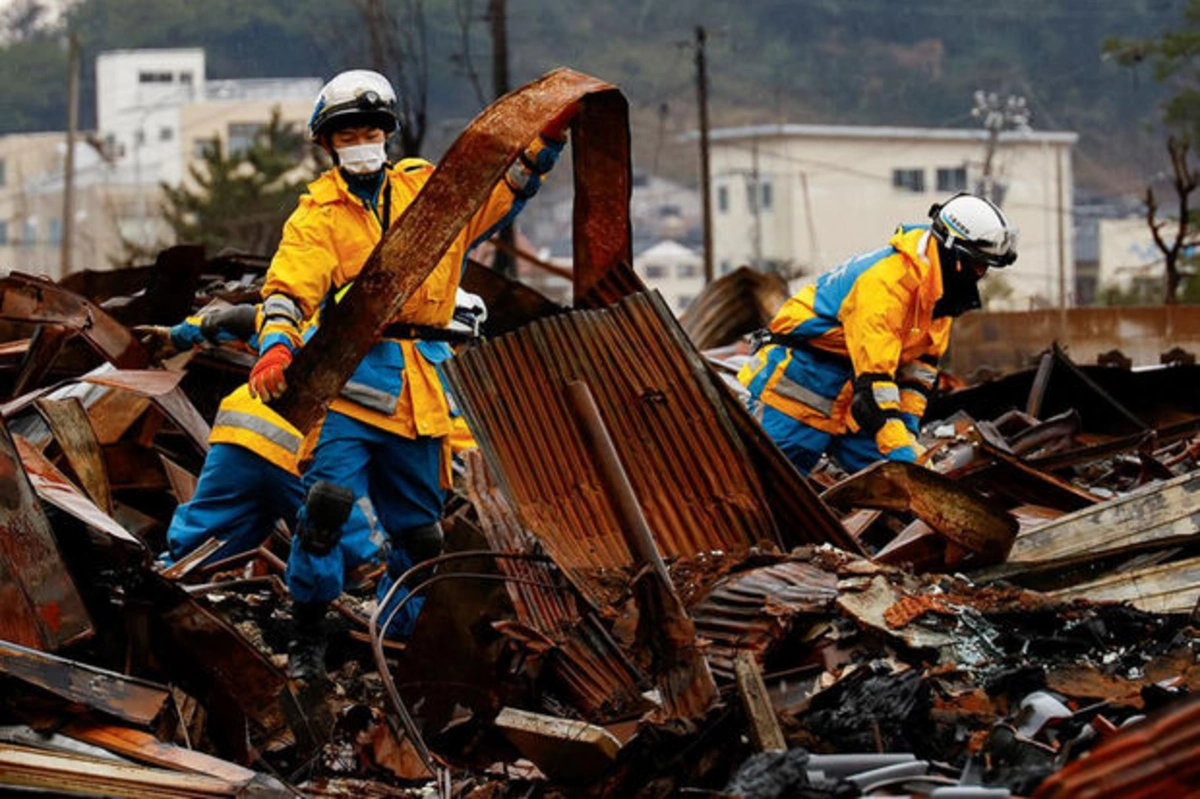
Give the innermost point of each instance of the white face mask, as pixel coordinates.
(362, 159)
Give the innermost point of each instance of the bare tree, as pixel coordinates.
(1173, 247)
(464, 12)
(397, 43)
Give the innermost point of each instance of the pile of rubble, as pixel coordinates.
(640, 596)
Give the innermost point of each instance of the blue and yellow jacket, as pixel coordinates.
(398, 385)
(874, 315)
(243, 420)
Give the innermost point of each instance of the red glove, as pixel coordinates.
(556, 129)
(266, 378)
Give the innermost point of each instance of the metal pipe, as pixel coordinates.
(630, 518)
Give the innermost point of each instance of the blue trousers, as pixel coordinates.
(238, 499)
(396, 485)
(804, 445)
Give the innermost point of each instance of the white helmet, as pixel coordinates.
(975, 229)
(356, 97)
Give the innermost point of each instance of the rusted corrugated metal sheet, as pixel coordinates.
(39, 604)
(599, 678)
(733, 305)
(692, 477)
(753, 610)
(1159, 757)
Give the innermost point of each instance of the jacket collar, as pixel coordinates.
(330, 187)
(918, 246)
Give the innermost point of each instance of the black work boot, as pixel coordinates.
(306, 648)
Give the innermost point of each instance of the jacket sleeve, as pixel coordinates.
(299, 277)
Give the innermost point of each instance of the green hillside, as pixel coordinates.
(836, 61)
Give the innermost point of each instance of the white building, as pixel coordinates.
(156, 111)
(1128, 256)
(676, 271)
(806, 197)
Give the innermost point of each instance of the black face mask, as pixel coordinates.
(960, 286)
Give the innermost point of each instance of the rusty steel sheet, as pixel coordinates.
(44, 347)
(733, 305)
(954, 511)
(458, 187)
(1157, 757)
(24, 298)
(136, 701)
(41, 607)
(162, 388)
(691, 475)
(755, 609)
(73, 432)
(601, 681)
(55, 489)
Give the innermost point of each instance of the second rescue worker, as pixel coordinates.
(383, 450)
(852, 358)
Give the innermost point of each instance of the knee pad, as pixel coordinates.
(325, 512)
(423, 541)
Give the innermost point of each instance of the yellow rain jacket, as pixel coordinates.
(871, 315)
(398, 386)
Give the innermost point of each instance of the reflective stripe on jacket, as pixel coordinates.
(326, 241)
(246, 422)
(873, 314)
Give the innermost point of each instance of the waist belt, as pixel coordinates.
(426, 332)
(761, 338)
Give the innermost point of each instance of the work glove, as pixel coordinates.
(875, 408)
(470, 312)
(266, 378)
(157, 339)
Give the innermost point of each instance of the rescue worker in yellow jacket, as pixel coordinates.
(382, 453)
(848, 363)
(250, 477)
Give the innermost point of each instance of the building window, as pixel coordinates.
(241, 136)
(155, 77)
(202, 147)
(767, 198)
(723, 199)
(909, 179)
(185, 78)
(3, 232)
(139, 138)
(29, 232)
(166, 134)
(726, 267)
(953, 179)
(687, 270)
(54, 231)
(683, 301)
(3, 172)
(656, 270)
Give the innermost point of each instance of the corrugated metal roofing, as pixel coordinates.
(692, 476)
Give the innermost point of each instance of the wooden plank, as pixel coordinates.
(55, 489)
(564, 749)
(1153, 517)
(39, 604)
(72, 430)
(115, 412)
(128, 698)
(143, 747)
(65, 773)
(1164, 588)
(765, 731)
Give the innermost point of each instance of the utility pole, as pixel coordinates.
(497, 13)
(1010, 113)
(67, 230)
(705, 181)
